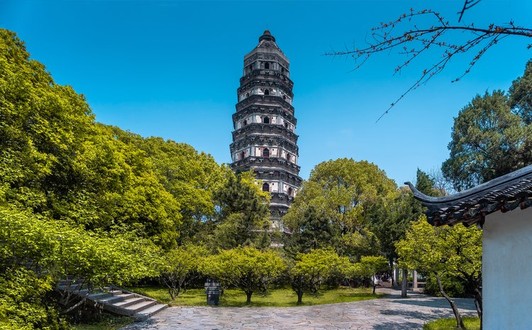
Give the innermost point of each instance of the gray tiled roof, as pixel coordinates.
(471, 206)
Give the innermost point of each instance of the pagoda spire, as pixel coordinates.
(264, 138)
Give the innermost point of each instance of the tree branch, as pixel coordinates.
(414, 41)
(468, 4)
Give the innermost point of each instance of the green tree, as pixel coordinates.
(310, 270)
(57, 162)
(130, 196)
(247, 268)
(38, 252)
(243, 214)
(178, 266)
(427, 185)
(369, 266)
(344, 193)
(392, 218)
(23, 303)
(190, 176)
(315, 231)
(42, 125)
(520, 95)
(488, 140)
(83, 199)
(444, 251)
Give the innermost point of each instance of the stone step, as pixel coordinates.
(99, 295)
(144, 314)
(121, 307)
(140, 306)
(116, 298)
(130, 301)
(115, 291)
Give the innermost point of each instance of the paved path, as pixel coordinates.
(391, 312)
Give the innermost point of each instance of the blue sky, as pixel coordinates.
(171, 69)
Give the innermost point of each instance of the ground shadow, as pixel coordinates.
(461, 303)
(395, 326)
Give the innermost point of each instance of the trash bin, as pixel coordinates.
(213, 290)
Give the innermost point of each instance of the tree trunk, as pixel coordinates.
(390, 263)
(404, 284)
(300, 297)
(459, 321)
(248, 297)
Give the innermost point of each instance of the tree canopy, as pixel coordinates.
(311, 269)
(247, 268)
(443, 252)
(491, 136)
(338, 200)
(242, 216)
(79, 198)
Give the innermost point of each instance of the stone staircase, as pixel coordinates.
(113, 299)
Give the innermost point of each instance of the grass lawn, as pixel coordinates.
(274, 298)
(471, 323)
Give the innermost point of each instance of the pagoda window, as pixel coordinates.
(266, 120)
(288, 157)
(242, 155)
(265, 187)
(267, 66)
(290, 191)
(266, 92)
(266, 153)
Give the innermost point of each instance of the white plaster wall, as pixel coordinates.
(506, 270)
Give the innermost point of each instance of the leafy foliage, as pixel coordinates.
(243, 214)
(83, 199)
(192, 179)
(36, 253)
(311, 269)
(244, 267)
(178, 265)
(488, 140)
(443, 252)
(369, 266)
(521, 95)
(453, 250)
(339, 200)
(315, 231)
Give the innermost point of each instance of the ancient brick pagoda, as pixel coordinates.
(264, 136)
